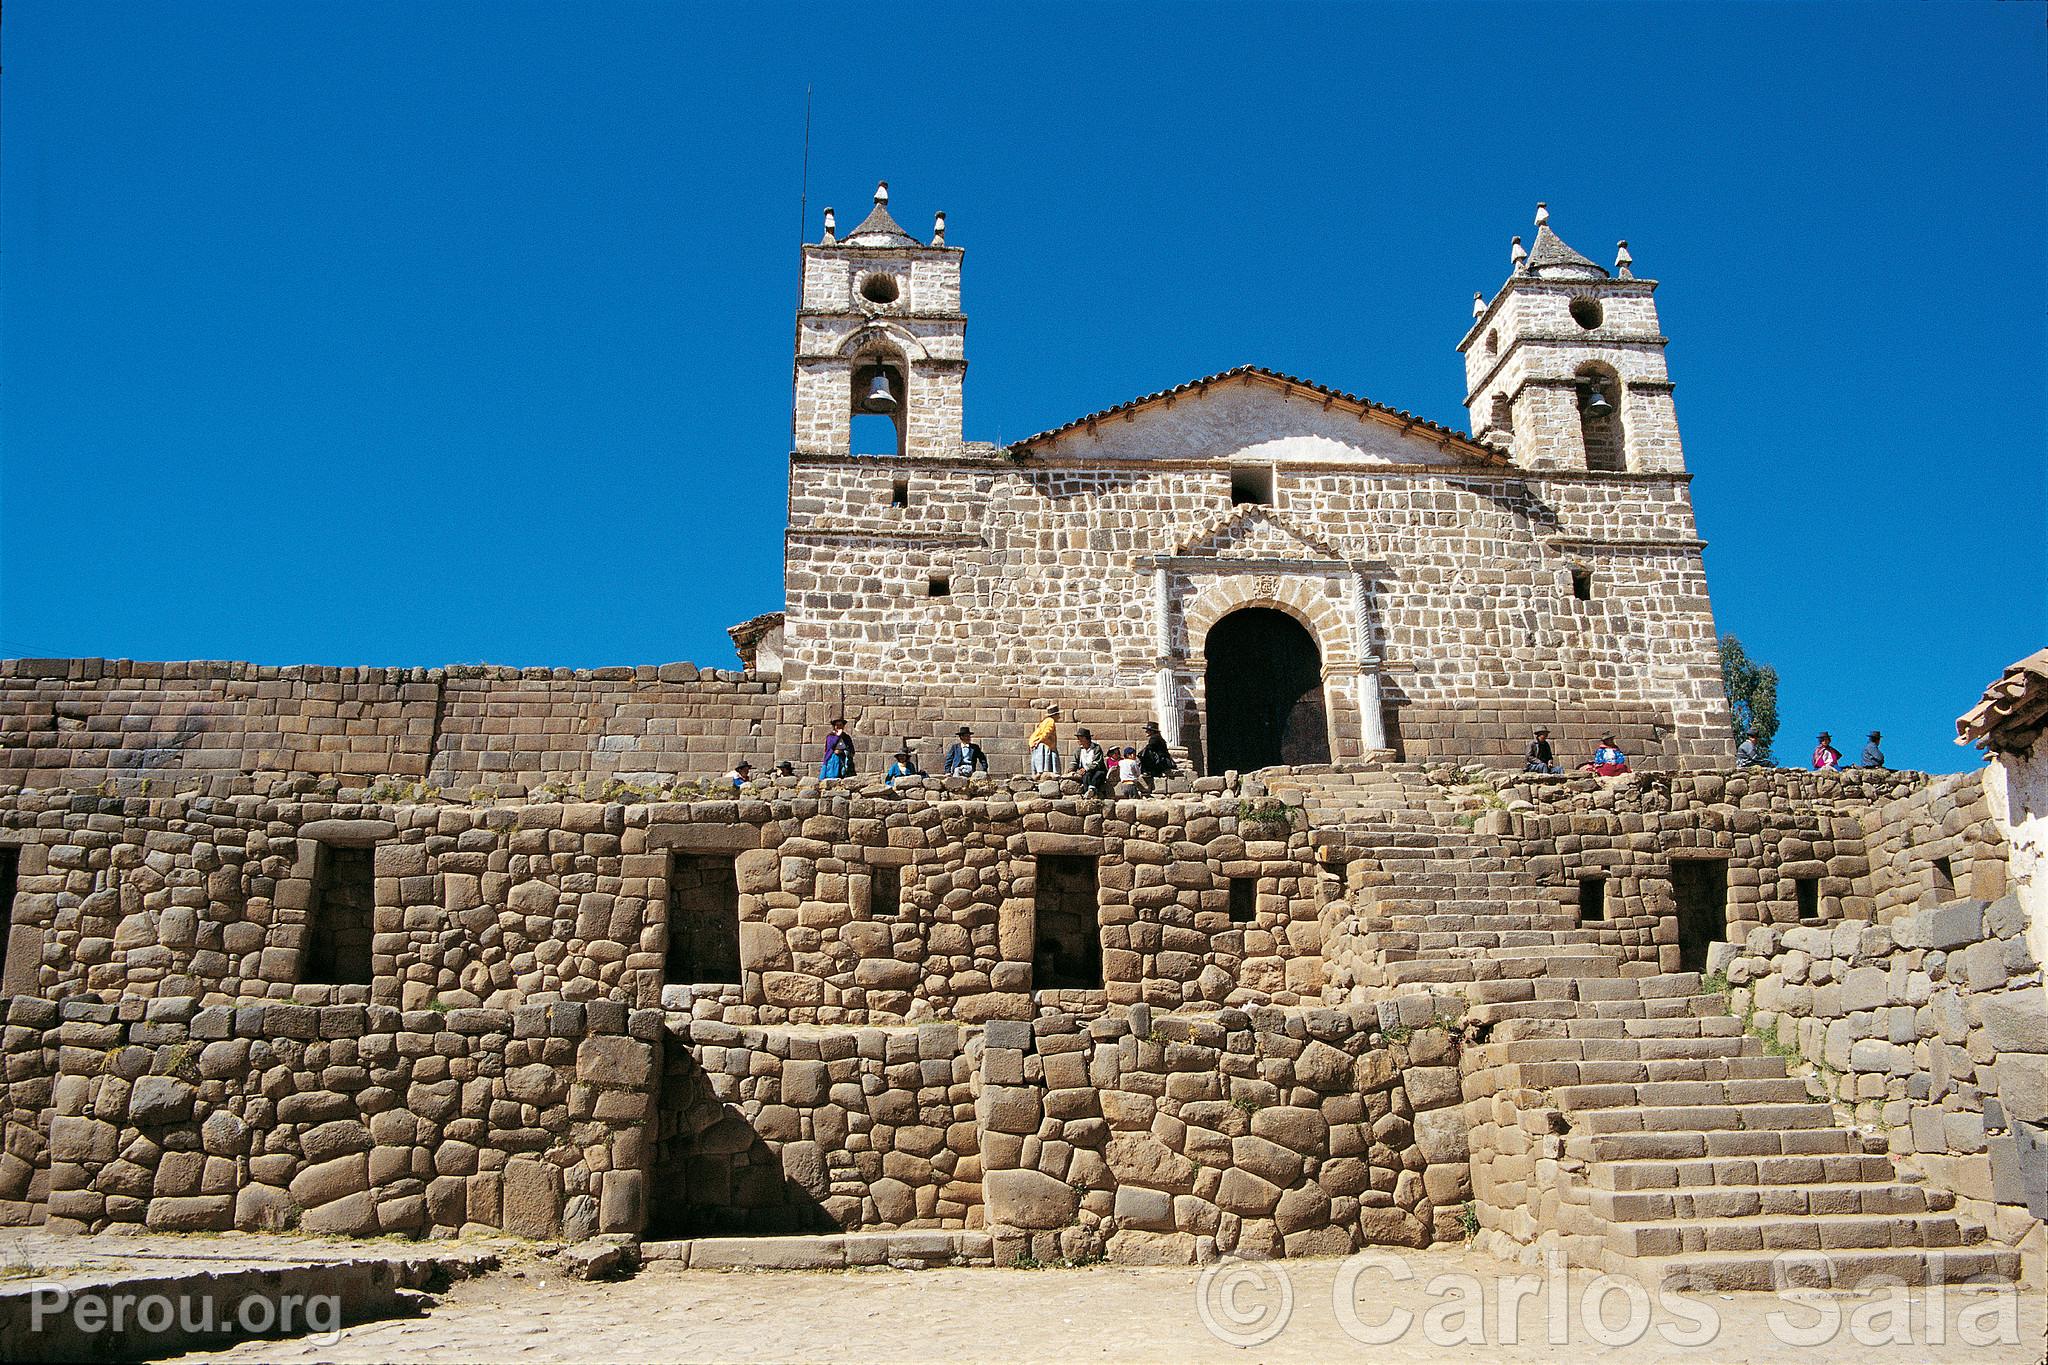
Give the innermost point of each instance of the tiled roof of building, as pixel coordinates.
(2014, 710)
(1260, 374)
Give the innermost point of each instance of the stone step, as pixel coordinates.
(1528, 1043)
(906, 1249)
(1682, 1145)
(1452, 970)
(1873, 1198)
(1549, 1074)
(1774, 1117)
(1841, 1270)
(1680, 1093)
(1760, 1233)
(1841, 1168)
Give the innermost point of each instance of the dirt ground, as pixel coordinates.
(1309, 1311)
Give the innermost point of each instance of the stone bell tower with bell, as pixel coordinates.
(1564, 367)
(880, 332)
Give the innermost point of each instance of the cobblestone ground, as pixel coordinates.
(1106, 1313)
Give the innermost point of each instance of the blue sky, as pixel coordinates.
(399, 333)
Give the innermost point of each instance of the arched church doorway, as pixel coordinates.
(1265, 685)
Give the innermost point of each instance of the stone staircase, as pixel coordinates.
(1617, 1112)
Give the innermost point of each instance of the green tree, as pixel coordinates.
(1752, 689)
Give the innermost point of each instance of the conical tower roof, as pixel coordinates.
(878, 228)
(1552, 259)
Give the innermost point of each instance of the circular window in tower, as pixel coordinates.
(879, 288)
(1586, 312)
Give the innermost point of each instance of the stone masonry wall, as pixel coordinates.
(1772, 827)
(1947, 820)
(1932, 1028)
(780, 1130)
(345, 1119)
(1167, 1139)
(1469, 598)
(489, 905)
(209, 727)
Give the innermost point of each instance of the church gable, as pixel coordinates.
(1251, 414)
(1256, 533)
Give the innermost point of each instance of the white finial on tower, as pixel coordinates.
(939, 228)
(1478, 303)
(881, 192)
(1517, 256)
(1542, 214)
(1622, 260)
(831, 226)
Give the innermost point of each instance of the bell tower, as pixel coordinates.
(880, 331)
(1564, 368)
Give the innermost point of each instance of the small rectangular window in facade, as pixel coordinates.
(1252, 484)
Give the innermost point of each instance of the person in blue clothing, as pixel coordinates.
(903, 766)
(838, 752)
(741, 774)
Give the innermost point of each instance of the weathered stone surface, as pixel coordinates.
(1028, 1199)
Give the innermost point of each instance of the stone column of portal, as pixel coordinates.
(1165, 687)
(1369, 708)
(1373, 720)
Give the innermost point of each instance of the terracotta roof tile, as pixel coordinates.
(2014, 710)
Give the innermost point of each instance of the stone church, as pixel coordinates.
(1276, 570)
(469, 950)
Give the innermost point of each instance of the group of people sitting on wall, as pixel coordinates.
(1608, 760)
(1129, 771)
(1826, 757)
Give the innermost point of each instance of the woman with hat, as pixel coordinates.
(1045, 744)
(1608, 759)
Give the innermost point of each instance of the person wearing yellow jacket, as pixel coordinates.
(1045, 745)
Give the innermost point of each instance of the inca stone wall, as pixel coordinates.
(780, 1130)
(1935, 844)
(230, 727)
(344, 1119)
(1932, 1028)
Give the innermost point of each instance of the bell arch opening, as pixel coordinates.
(1264, 676)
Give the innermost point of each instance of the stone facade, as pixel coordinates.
(1457, 592)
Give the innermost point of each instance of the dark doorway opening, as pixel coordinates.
(1068, 950)
(1244, 900)
(1592, 899)
(703, 921)
(1700, 887)
(343, 917)
(1808, 891)
(18, 962)
(1265, 682)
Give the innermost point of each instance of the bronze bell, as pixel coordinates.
(879, 398)
(1594, 403)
